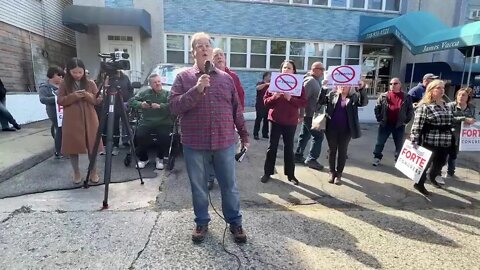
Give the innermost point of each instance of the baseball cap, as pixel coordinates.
(430, 76)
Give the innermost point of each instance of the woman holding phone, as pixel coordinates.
(78, 96)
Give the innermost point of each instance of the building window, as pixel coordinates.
(297, 54)
(258, 55)
(280, 1)
(475, 14)
(120, 38)
(175, 49)
(314, 53)
(305, 2)
(320, 2)
(334, 54)
(392, 5)
(219, 42)
(238, 52)
(278, 53)
(357, 3)
(352, 55)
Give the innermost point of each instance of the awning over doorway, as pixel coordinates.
(79, 18)
(421, 32)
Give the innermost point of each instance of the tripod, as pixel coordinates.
(107, 118)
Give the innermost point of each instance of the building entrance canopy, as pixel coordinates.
(421, 32)
(79, 18)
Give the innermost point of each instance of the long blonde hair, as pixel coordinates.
(427, 98)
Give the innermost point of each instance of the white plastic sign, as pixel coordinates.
(286, 83)
(59, 109)
(411, 161)
(343, 75)
(470, 137)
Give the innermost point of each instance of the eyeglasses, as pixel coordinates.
(395, 83)
(319, 68)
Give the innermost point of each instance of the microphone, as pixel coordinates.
(208, 67)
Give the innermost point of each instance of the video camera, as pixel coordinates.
(118, 61)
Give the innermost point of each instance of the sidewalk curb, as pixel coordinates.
(25, 164)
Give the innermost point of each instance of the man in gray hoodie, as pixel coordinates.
(312, 86)
(46, 93)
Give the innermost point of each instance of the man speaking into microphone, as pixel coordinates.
(209, 108)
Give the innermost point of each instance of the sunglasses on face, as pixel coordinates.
(395, 83)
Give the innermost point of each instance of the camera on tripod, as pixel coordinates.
(118, 61)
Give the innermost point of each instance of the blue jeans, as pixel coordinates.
(383, 134)
(197, 163)
(304, 137)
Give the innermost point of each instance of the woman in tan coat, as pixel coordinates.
(78, 96)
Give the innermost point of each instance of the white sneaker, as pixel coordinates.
(142, 164)
(440, 180)
(115, 151)
(376, 162)
(159, 163)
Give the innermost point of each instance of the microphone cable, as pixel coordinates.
(224, 233)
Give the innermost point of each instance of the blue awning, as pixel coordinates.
(421, 32)
(79, 18)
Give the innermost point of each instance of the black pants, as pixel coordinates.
(157, 138)
(288, 134)
(337, 143)
(262, 115)
(435, 164)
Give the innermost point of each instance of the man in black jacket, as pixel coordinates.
(5, 116)
(393, 111)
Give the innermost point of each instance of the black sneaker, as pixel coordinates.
(313, 164)
(421, 189)
(450, 173)
(8, 129)
(265, 178)
(198, 234)
(299, 159)
(294, 180)
(265, 137)
(17, 126)
(256, 137)
(239, 235)
(435, 183)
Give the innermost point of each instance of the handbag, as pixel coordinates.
(319, 121)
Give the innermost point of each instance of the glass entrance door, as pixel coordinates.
(377, 71)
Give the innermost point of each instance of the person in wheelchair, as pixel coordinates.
(155, 123)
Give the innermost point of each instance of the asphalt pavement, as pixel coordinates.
(375, 220)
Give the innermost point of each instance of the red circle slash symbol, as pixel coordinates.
(286, 82)
(343, 74)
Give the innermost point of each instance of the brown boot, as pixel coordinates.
(239, 234)
(199, 232)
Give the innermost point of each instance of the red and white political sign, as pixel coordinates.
(411, 161)
(343, 75)
(470, 137)
(286, 83)
(59, 112)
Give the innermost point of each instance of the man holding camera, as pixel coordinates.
(209, 107)
(155, 123)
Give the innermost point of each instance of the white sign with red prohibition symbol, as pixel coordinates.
(286, 83)
(343, 75)
(411, 161)
(470, 137)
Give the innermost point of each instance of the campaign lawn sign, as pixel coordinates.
(59, 112)
(411, 161)
(286, 83)
(343, 75)
(470, 137)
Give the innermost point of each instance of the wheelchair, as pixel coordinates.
(174, 147)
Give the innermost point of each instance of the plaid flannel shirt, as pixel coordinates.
(207, 121)
(432, 115)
